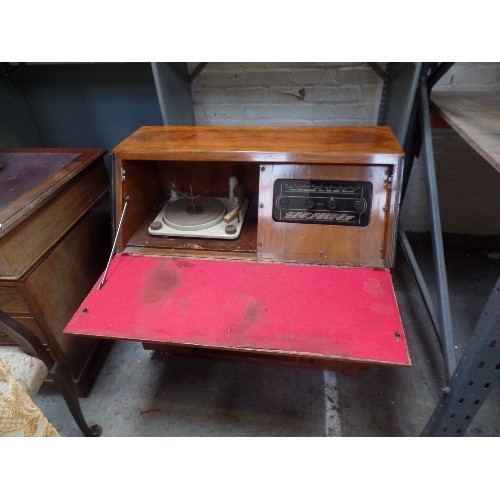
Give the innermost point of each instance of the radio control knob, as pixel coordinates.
(358, 205)
(283, 202)
(309, 203)
(332, 204)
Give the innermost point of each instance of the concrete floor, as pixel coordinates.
(139, 393)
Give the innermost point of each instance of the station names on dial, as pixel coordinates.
(322, 202)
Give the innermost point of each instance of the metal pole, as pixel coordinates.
(445, 324)
(174, 93)
(422, 285)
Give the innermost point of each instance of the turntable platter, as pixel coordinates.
(188, 214)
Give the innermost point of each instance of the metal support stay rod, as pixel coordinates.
(114, 242)
(445, 324)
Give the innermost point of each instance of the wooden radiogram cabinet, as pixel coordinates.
(203, 159)
(54, 242)
(307, 278)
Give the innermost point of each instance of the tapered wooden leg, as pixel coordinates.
(62, 377)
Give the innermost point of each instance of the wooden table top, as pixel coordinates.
(31, 176)
(476, 117)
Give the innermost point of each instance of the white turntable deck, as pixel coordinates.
(202, 216)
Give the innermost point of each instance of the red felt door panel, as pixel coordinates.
(316, 311)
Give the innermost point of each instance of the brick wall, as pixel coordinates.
(269, 94)
(477, 77)
(349, 94)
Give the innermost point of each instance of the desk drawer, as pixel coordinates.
(11, 301)
(28, 322)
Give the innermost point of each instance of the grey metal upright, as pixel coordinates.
(445, 330)
(478, 370)
(173, 86)
(405, 108)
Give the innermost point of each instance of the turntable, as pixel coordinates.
(187, 215)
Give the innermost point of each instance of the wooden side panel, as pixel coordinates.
(60, 282)
(26, 243)
(369, 246)
(141, 184)
(11, 300)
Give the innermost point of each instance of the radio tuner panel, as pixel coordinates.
(343, 203)
(341, 214)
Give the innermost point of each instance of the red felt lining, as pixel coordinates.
(337, 313)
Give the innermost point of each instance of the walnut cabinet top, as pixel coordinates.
(362, 145)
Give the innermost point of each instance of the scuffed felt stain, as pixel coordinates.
(159, 283)
(242, 329)
(252, 313)
(373, 287)
(183, 264)
(381, 308)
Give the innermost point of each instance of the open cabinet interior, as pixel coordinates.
(327, 213)
(148, 188)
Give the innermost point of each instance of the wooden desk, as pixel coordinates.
(54, 242)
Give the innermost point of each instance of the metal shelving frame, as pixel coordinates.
(405, 106)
